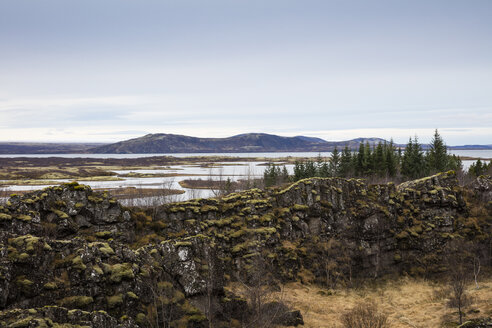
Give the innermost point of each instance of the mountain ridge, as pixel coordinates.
(159, 143)
(244, 143)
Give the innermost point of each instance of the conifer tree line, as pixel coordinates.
(383, 160)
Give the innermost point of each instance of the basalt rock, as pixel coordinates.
(67, 252)
(379, 228)
(67, 211)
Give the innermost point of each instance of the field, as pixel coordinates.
(409, 303)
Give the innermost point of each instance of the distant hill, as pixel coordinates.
(173, 143)
(45, 148)
(242, 143)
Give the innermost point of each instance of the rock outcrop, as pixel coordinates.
(71, 256)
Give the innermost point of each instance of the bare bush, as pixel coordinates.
(365, 315)
(263, 294)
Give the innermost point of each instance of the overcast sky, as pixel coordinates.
(108, 70)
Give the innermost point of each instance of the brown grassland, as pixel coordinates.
(408, 302)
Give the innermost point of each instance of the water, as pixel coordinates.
(220, 171)
(485, 153)
(179, 155)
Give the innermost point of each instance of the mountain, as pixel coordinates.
(242, 143)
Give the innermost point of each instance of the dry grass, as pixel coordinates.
(408, 302)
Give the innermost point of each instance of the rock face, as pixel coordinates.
(67, 211)
(71, 256)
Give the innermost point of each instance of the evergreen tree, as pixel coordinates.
(310, 168)
(437, 157)
(299, 171)
(391, 159)
(379, 161)
(367, 167)
(345, 168)
(360, 164)
(271, 175)
(334, 167)
(322, 167)
(454, 163)
(413, 161)
(479, 168)
(284, 176)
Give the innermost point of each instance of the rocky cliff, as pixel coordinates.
(71, 256)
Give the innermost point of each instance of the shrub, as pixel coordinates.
(365, 315)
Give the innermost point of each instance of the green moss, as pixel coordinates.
(132, 295)
(183, 243)
(4, 216)
(24, 283)
(95, 199)
(176, 209)
(25, 218)
(238, 233)
(196, 318)
(264, 230)
(114, 301)
(222, 222)
(397, 258)
(60, 214)
(103, 247)
(79, 205)
(98, 269)
(141, 319)
(50, 285)
(208, 208)
(78, 264)
(23, 257)
(402, 235)
(76, 301)
(22, 323)
(299, 207)
(120, 271)
(103, 234)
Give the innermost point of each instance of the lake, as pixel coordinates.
(233, 171)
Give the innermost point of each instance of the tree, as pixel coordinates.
(271, 175)
(391, 159)
(334, 163)
(437, 156)
(379, 160)
(299, 171)
(459, 260)
(479, 168)
(361, 161)
(413, 163)
(345, 167)
(458, 281)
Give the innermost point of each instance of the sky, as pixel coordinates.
(109, 70)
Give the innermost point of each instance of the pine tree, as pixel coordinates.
(360, 164)
(334, 167)
(413, 161)
(437, 156)
(379, 162)
(391, 159)
(310, 168)
(299, 171)
(284, 177)
(367, 167)
(479, 168)
(345, 168)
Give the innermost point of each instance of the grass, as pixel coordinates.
(408, 302)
